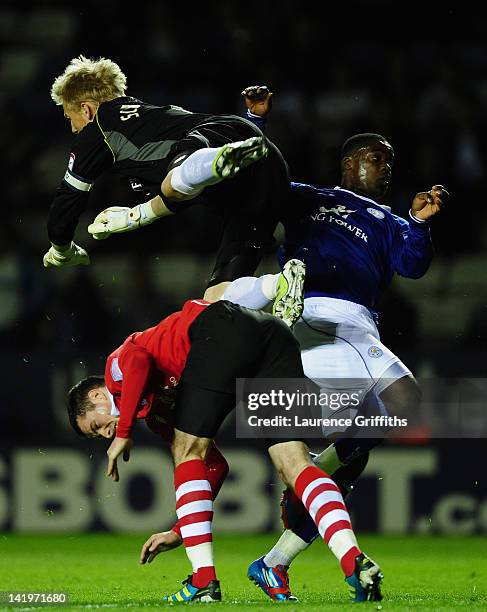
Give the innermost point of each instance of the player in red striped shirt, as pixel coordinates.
(203, 349)
(112, 414)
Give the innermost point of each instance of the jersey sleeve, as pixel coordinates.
(301, 200)
(90, 156)
(304, 199)
(136, 366)
(412, 250)
(260, 122)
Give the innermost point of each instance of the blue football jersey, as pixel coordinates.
(352, 246)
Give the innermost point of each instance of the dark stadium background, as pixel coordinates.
(418, 77)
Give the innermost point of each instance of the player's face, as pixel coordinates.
(99, 423)
(372, 168)
(78, 118)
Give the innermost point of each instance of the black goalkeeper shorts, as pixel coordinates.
(250, 204)
(229, 342)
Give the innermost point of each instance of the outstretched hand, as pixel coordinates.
(157, 543)
(118, 447)
(112, 220)
(426, 204)
(258, 99)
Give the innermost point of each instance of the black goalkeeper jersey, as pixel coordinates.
(131, 138)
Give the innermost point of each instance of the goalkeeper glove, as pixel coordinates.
(73, 255)
(117, 219)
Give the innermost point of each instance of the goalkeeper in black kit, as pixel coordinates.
(175, 155)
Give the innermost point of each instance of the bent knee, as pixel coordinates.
(290, 459)
(186, 447)
(215, 292)
(170, 193)
(404, 394)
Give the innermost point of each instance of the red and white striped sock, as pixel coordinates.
(323, 500)
(216, 471)
(194, 509)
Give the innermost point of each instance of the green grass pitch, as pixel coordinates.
(102, 571)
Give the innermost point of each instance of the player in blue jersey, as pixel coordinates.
(352, 245)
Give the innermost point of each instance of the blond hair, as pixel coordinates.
(85, 79)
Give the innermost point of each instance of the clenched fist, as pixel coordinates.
(112, 220)
(258, 99)
(426, 204)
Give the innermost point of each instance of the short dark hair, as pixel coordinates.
(359, 141)
(79, 403)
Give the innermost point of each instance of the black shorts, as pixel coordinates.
(250, 204)
(215, 132)
(230, 342)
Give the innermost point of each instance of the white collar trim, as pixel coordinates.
(363, 198)
(114, 410)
